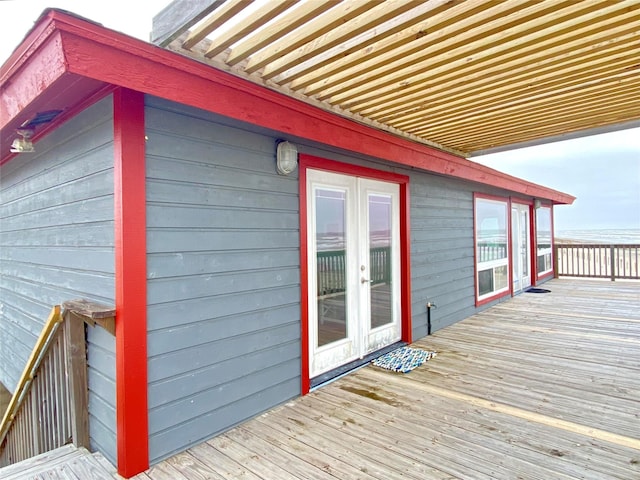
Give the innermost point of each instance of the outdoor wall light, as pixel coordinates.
(286, 157)
(537, 203)
(24, 144)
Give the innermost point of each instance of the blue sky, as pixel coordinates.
(602, 171)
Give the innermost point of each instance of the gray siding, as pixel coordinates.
(223, 269)
(223, 278)
(442, 269)
(56, 238)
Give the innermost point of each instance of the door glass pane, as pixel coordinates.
(516, 245)
(524, 238)
(331, 241)
(380, 225)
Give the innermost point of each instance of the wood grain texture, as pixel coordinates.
(65, 463)
(505, 398)
(56, 244)
(468, 76)
(224, 282)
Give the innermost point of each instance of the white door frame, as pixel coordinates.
(360, 338)
(521, 246)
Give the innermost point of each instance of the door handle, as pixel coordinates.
(364, 280)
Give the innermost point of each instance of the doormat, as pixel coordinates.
(403, 359)
(537, 290)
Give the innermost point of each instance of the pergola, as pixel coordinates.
(469, 77)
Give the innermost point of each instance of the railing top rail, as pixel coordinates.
(37, 355)
(592, 245)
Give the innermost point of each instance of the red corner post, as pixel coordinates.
(130, 278)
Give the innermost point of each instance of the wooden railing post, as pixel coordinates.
(74, 330)
(556, 251)
(613, 263)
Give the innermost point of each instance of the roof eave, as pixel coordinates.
(95, 58)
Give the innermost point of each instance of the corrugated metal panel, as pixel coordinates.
(57, 244)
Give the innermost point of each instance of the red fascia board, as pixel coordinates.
(45, 67)
(61, 94)
(102, 54)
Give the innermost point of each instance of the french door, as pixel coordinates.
(521, 246)
(354, 268)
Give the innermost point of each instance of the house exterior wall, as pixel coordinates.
(223, 278)
(223, 270)
(56, 244)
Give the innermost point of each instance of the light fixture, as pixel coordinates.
(286, 157)
(24, 144)
(537, 203)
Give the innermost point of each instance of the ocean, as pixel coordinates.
(606, 236)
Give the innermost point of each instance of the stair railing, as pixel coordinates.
(49, 407)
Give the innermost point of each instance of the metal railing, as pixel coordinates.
(49, 407)
(331, 269)
(618, 261)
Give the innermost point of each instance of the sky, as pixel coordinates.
(602, 171)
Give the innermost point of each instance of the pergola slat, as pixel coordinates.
(489, 74)
(287, 23)
(227, 11)
(247, 25)
(437, 36)
(509, 83)
(543, 29)
(352, 29)
(315, 28)
(379, 40)
(506, 95)
(466, 75)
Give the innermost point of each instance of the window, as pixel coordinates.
(492, 249)
(543, 238)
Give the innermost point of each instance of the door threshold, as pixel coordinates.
(336, 373)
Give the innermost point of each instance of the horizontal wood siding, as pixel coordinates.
(441, 252)
(223, 277)
(223, 269)
(56, 238)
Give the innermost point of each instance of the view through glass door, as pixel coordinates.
(354, 268)
(521, 241)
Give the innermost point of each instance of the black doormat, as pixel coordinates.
(537, 290)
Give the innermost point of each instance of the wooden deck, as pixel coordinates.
(544, 386)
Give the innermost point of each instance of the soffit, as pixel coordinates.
(466, 76)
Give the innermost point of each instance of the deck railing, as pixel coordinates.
(617, 261)
(49, 406)
(331, 269)
(489, 251)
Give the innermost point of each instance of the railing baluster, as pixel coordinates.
(598, 261)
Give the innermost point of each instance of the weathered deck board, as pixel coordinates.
(64, 463)
(544, 386)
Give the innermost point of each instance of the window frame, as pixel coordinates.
(494, 264)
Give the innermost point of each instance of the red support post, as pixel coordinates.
(130, 279)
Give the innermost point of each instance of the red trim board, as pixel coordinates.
(308, 161)
(131, 282)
